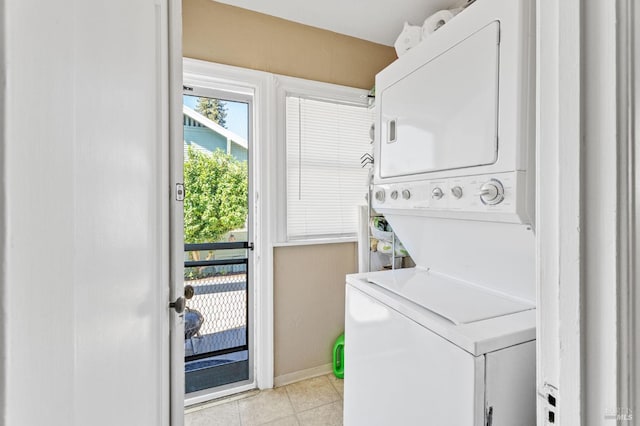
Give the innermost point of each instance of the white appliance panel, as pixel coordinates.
(459, 198)
(458, 301)
(444, 114)
(476, 337)
(399, 373)
(515, 364)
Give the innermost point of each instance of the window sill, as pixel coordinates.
(314, 242)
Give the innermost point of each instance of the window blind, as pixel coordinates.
(325, 181)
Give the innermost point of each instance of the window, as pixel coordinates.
(325, 181)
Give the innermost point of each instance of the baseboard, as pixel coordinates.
(297, 376)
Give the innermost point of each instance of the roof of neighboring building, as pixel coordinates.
(212, 125)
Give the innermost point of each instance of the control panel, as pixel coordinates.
(499, 197)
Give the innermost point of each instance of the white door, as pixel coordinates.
(84, 212)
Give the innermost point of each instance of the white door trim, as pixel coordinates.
(204, 74)
(176, 251)
(600, 185)
(558, 147)
(634, 197)
(628, 62)
(586, 192)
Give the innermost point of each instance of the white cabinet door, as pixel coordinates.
(84, 213)
(399, 373)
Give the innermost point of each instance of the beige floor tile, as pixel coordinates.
(287, 421)
(312, 393)
(267, 406)
(219, 415)
(327, 415)
(337, 383)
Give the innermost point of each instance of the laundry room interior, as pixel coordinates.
(469, 136)
(359, 213)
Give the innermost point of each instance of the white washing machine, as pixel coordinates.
(425, 349)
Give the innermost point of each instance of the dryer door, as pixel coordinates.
(444, 114)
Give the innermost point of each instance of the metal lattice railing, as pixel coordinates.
(216, 318)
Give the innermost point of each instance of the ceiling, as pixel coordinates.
(379, 21)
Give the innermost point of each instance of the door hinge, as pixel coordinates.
(250, 246)
(179, 192)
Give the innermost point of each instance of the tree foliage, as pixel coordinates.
(214, 109)
(216, 195)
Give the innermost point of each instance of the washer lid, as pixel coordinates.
(458, 301)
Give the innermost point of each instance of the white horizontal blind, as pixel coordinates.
(325, 181)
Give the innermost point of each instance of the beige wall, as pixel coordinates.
(217, 32)
(309, 303)
(308, 280)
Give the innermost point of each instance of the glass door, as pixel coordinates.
(217, 237)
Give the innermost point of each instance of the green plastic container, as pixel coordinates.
(338, 357)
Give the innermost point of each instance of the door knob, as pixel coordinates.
(181, 302)
(178, 305)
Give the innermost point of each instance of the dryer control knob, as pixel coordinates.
(406, 194)
(380, 195)
(492, 192)
(456, 191)
(437, 193)
(394, 195)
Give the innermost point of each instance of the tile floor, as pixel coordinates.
(316, 401)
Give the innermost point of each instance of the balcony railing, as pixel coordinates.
(218, 273)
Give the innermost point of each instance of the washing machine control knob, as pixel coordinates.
(394, 195)
(380, 195)
(456, 191)
(492, 192)
(406, 194)
(437, 193)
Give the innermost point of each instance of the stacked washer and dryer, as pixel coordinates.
(452, 341)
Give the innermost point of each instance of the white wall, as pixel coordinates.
(84, 213)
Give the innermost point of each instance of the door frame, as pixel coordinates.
(222, 81)
(587, 194)
(174, 175)
(234, 94)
